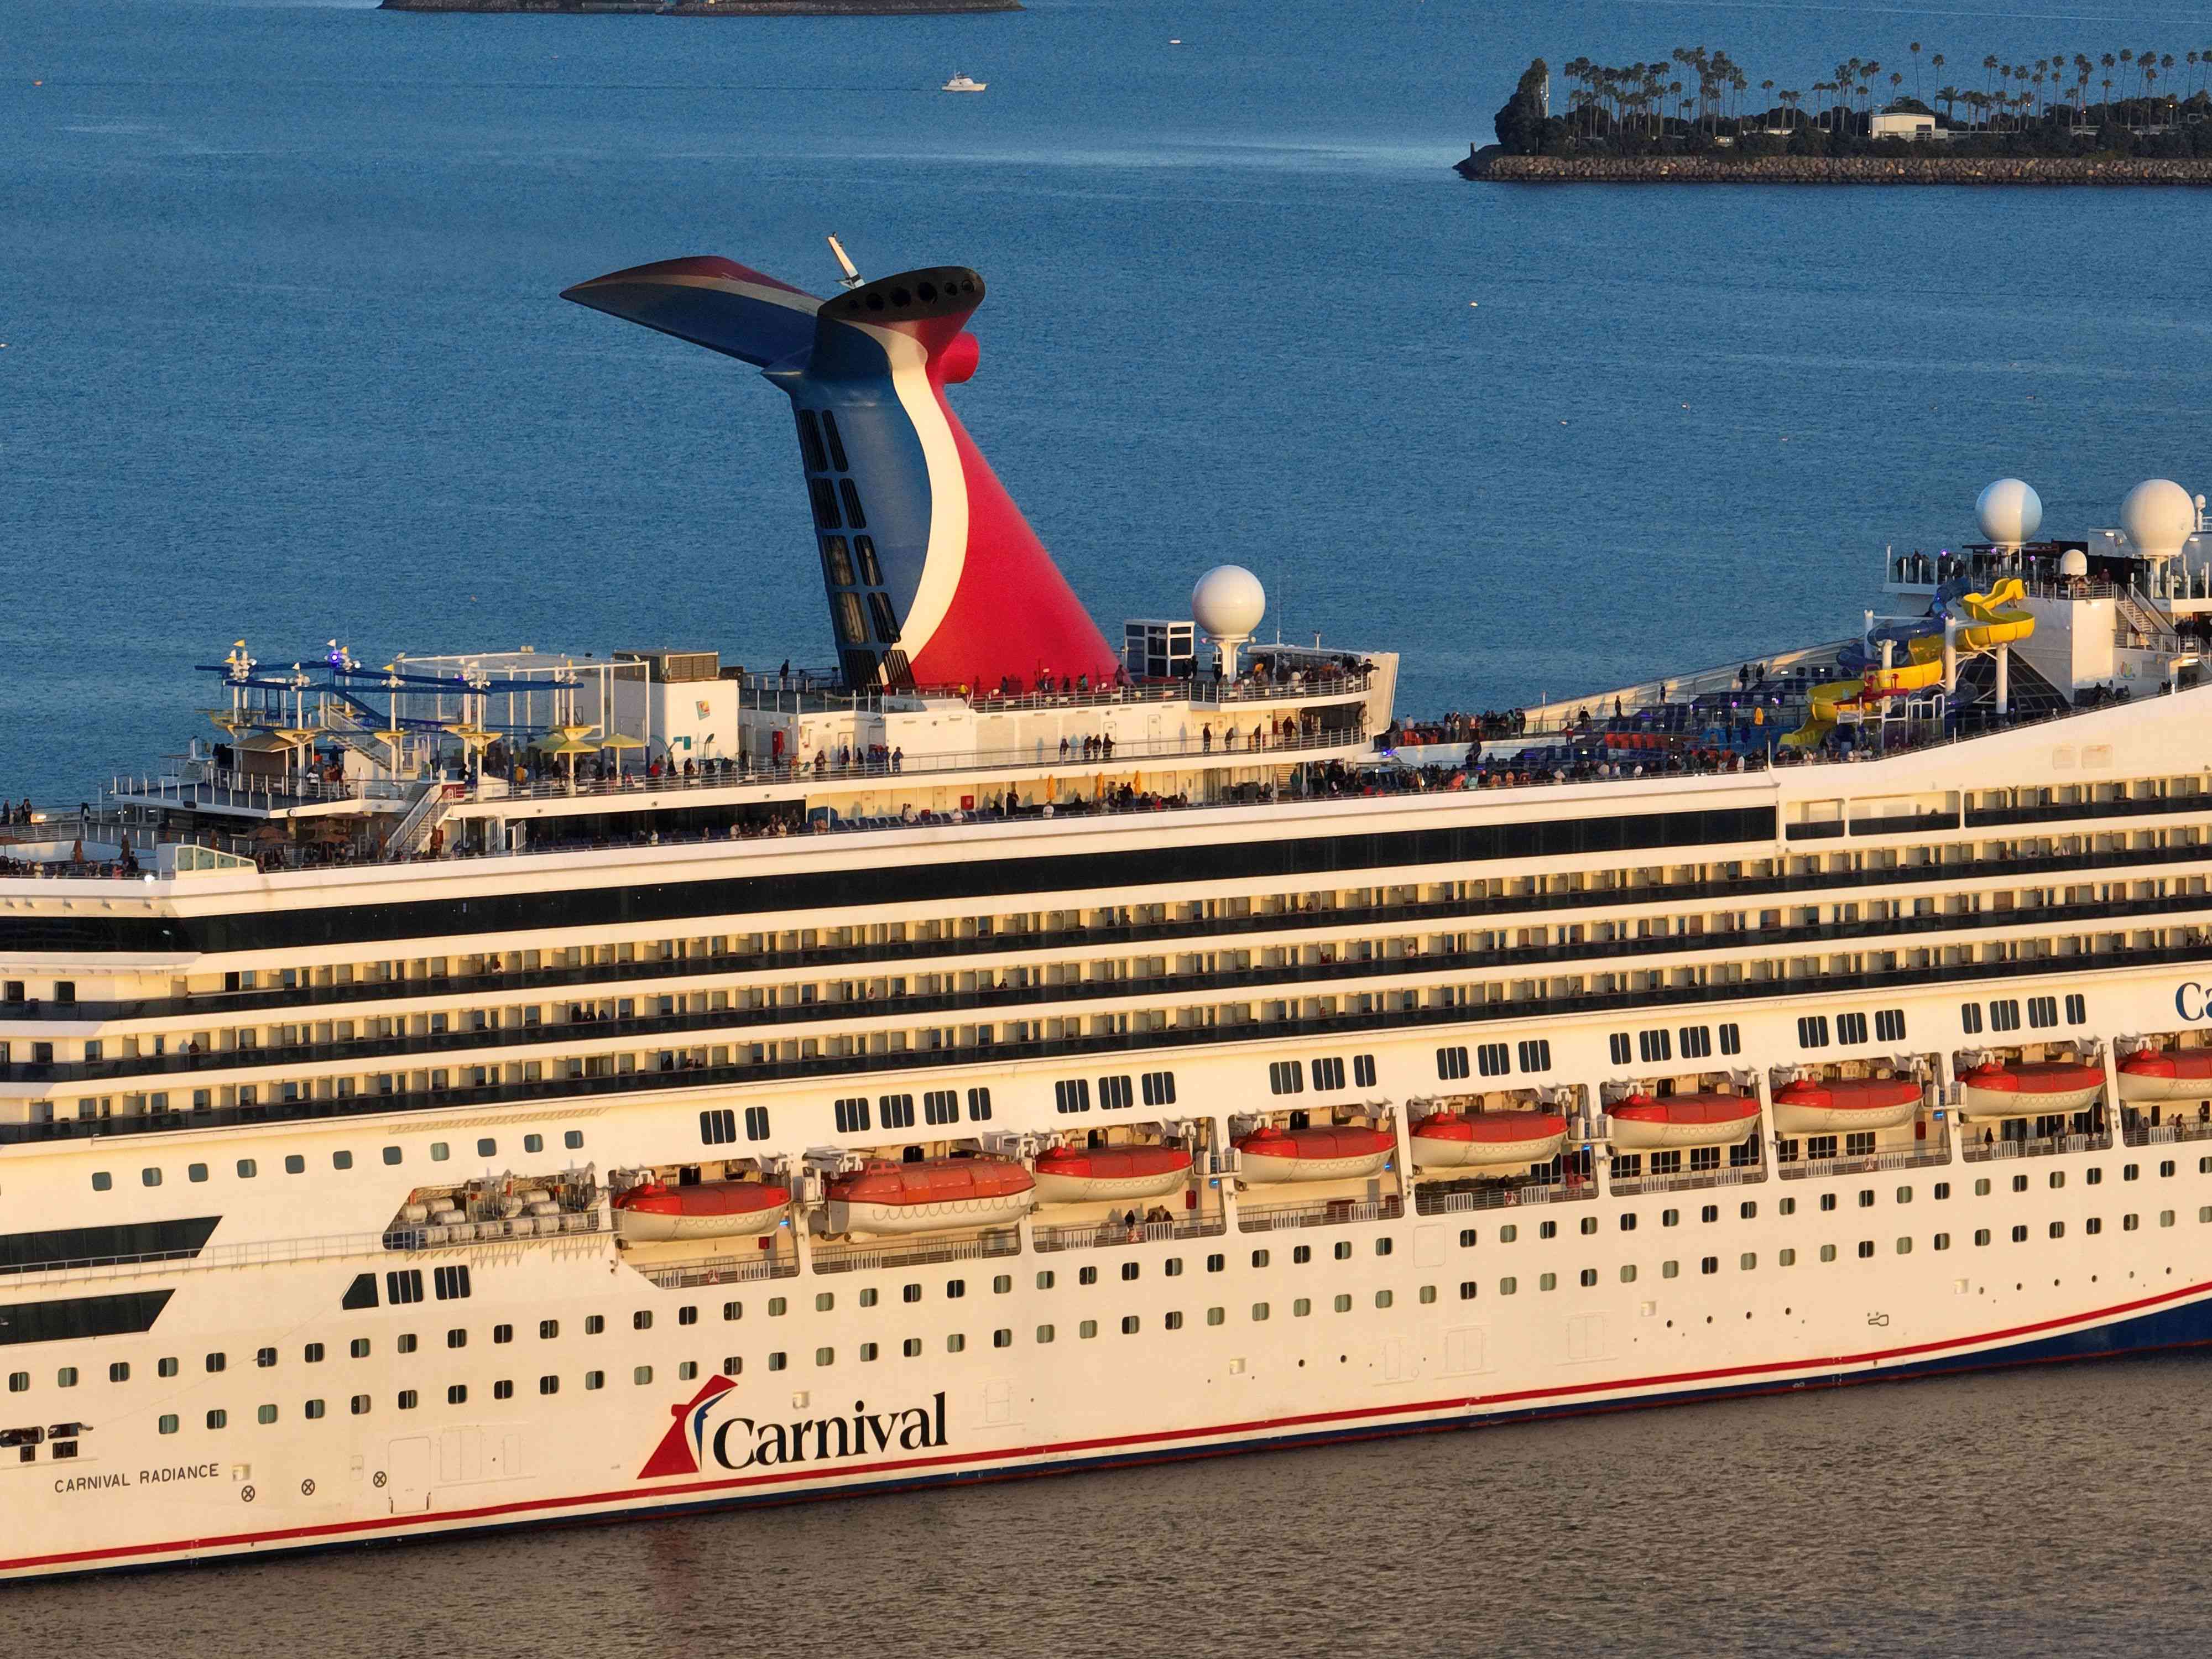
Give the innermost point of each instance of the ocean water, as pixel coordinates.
(283, 361)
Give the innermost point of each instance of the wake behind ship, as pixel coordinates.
(511, 1086)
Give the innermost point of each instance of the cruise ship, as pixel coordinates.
(530, 1085)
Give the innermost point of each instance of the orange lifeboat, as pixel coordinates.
(1487, 1141)
(1272, 1155)
(2166, 1074)
(1641, 1124)
(2027, 1090)
(931, 1195)
(1848, 1104)
(1080, 1175)
(652, 1213)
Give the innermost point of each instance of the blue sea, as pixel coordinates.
(283, 361)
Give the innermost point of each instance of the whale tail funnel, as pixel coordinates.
(934, 579)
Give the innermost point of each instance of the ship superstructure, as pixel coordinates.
(471, 1091)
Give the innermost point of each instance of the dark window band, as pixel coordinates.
(854, 888)
(81, 1316)
(136, 1241)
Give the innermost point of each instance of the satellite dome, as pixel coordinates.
(1228, 602)
(2010, 512)
(2073, 562)
(2159, 516)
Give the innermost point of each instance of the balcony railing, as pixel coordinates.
(867, 1258)
(2165, 1134)
(1099, 1234)
(1816, 1169)
(1688, 1180)
(1434, 1201)
(1329, 1212)
(720, 1270)
(2039, 1147)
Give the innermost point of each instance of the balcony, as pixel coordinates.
(2040, 1147)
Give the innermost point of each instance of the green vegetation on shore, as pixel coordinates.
(1700, 102)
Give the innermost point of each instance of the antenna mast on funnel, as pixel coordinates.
(852, 278)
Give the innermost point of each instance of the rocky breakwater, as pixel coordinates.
(1495, 166)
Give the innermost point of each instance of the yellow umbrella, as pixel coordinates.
(619, 741)
(572, 732)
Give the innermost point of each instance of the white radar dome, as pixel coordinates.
(2010, 512)
(2073, 562)
(2159, 516)
(1228, 602)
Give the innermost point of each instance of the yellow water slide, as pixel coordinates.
(1988, 625)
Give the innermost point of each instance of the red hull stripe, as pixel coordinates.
(336, 1531)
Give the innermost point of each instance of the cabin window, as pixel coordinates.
(1731, 1039)
(1492, 1059)
(851, 1115)
(1697, 1041)
(718, 1127)
(1617, 1045)
(1071, 1094)
(1451, 1064)
(1285, 1077)
(1653, 1047)
(1889, 1025)
(1970, 1018)
(1812, 1031)
(1535, 1054)
(1363, 1073)
(979, 1100)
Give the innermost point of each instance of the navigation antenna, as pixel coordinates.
(852, 278)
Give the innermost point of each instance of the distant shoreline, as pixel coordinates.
(1489, 164)
(706, 8)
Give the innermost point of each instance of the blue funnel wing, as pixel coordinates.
(715, 303)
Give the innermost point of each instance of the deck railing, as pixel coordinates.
(1816, 1169)
(865, 1258)
(2165, 1134)
(1688, 1180)
(720, 1270)
(1100, 1234)
(1429, 1201)
(1329, 1212)
(2039, 1147)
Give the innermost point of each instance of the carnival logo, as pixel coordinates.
(708, 1430)
(2190, 1000)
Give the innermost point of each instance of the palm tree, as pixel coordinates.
(1914, 48)
(1989, 68)
(1789, 103)
(1947, 97)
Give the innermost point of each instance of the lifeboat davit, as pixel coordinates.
(2030, 1090)
(1641, 1124)
(651, 1214)
(1080, 1175)
(930, 1196)
(2166, 1074)
(1272, 1155)
(1487, 1141)
(1805, 1108)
